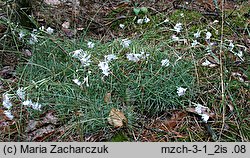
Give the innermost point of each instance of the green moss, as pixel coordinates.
(120, 137)
(189, 16)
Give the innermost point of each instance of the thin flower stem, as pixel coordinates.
(221, 71)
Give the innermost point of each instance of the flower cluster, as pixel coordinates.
(7, 104)
(79, 83)
(104, 65)
(201, 110)
(136, 57)
(6, 101)
(144, 20)
(33, 39)
(82, 56)
(21, 95)
(125, 43)
(35, 106)
(178, 27)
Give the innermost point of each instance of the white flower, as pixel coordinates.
(215, 21)
(194, 43)
(175, 38)
(181, 91)
(204, 117)
(49, 30)
(166, 21)
(146, 20)
(76, 53)
(110, 57)
(85, 60)
(27, 103)
(182, 15)
(104, 67)
(33, 39)
(21, 35)
(82, 56)
(6, 101)
(139, 21)
(41, 28)
(125, 42)
(208, 35)
(8, 114)
(136, 57)
(76, 81)
(178, 27)
(197, 34)
(36, 106)
(133, 57)
(239, 54)
(208, 63)
(20, 93)
(86, 80)
(121, 26)
(231, 46)
(165, 62)
(90, 44)
(144, 55)
(200, 109)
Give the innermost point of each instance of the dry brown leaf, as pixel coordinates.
(40, 133)
(27, 53)
(107, 98)
(7, 72)
(117, 118)
(43, 128)
(66, 25)
(68, 32)
(171, 123)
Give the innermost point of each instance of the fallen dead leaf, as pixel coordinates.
(68, 32)
(171, 123)
(39, 130)
(107, 98)
(66, 25)
(7, 72)
(117, 118)
(27, 53)
(40, 133)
